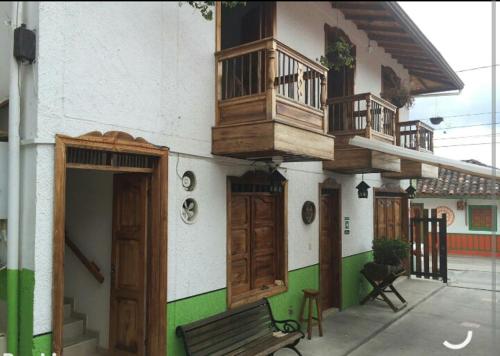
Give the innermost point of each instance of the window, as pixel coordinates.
(483, 217)
(256, 260)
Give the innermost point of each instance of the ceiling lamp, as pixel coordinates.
(411, 191)
(436, 120)
(276, 184)
(362, 189)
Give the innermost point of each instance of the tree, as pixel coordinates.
(206, 7)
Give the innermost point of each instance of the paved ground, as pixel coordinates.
(435, 313)
(472, 272)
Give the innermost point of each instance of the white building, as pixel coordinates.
(148, 71)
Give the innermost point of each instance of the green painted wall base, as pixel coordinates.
(42, 345)
(19, 296)
(285, 305)
(354, 285)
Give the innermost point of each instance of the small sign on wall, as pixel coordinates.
(347, 225)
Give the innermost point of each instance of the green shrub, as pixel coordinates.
(390, 252)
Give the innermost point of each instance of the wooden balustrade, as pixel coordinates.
(268, 75)
(362, 114)
(416, 135)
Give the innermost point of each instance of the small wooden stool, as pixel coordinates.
(311, 296)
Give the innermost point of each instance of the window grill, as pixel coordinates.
(75, 155)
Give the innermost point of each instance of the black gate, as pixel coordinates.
(429, 251)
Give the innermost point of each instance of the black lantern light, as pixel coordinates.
(362, 189)
(436, 120)
(276, 185)
(411, 191)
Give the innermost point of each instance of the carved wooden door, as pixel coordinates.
(253, 241)
(128, 269)
(330, 250)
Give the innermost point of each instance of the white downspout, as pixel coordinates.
(13, 191)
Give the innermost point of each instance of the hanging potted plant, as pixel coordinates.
(399, 95)
(338, 55)
(388, 257)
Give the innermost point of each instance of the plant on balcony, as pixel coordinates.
(205, 7)
(388, 257)
(338, 55)
(399, 95)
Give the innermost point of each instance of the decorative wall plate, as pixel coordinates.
(308, 212)
(450, 215)
(188, 181)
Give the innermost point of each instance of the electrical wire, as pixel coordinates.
(466, 144)
(463, 126)
(475, 68)
(460, 137)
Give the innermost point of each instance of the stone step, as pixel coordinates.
(68, 310)
(82, 345)
(73, 327)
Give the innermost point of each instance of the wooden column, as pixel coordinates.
(323, 98)
(270, 78)
(368, 117)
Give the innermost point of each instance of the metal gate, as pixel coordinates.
(429, 251)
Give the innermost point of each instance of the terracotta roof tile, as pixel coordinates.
(451, 182)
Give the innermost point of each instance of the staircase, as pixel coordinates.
(77, 340)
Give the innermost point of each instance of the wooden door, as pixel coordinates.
(390, 218)
(128, 265)
(253, 241)
(330, 249)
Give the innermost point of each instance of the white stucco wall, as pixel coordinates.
(461, 224)
(3, 179)
(5, 45)
(89, 209)
(300, 25)
(147, 69)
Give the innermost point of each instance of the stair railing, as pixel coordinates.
(89, 265)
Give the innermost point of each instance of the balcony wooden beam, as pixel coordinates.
(356, 161)
(412, 170)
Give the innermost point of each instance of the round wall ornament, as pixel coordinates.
(450, 215)
(308, 212)
(188, 181)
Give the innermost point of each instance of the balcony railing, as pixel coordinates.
(362, 115)
(266, 79)
(416, 135)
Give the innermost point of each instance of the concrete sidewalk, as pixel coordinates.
(472, 272)
(344, 331)
(435, 313)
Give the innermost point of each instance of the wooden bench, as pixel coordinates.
(247, 330)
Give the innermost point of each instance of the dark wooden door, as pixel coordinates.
(330, 249)
(128, 265)
(390, 218)
(253, 241)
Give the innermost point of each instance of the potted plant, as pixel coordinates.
(388, 256)
(399, 95)
(338, 55)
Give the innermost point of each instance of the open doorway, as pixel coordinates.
(330, 246)
(110, 212)
(244, 24)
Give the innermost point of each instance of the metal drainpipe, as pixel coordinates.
(13, 194)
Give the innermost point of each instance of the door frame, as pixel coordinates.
(120, 142)
(331, 183)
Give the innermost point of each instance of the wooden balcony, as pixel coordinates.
(271, 101)
(363, 115)
(415, 135)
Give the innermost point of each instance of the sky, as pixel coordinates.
(463, 37)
